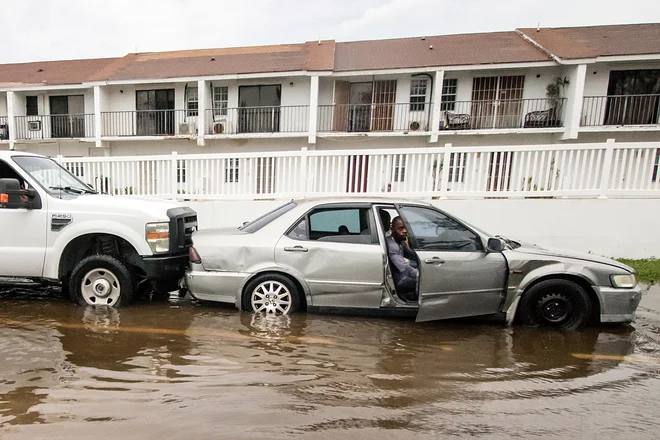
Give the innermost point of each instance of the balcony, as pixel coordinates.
(362, 118)
(248, 120)
(640, 110)
(149, 123)
(502, 114)
(4, 128)
(54, 127)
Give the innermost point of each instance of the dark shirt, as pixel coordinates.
(400, 266)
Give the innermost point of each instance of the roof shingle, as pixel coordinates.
(595, 41)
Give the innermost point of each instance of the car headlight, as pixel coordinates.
(158, 237)
(623, 281)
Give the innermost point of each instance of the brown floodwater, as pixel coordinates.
(172, 369)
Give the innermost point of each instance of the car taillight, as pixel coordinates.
(194, 256)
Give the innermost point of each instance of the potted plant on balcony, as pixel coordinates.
(555, 94)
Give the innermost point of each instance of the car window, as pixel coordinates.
(343, 225)
(262, 221)
(434, 231)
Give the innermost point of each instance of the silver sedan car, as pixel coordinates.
(331, 255)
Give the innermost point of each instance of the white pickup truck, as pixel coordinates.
(102, 248)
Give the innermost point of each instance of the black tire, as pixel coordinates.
(556, 303)
(116, 275)
(276, 279)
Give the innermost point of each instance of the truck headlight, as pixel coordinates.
(158, 237)
(623, 281)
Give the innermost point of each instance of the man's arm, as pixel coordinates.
(398, 260)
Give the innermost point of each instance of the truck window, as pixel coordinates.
(7, 172)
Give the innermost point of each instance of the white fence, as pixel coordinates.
(566, 170)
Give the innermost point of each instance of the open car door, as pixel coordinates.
(458, 278)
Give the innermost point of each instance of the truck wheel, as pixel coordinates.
(556, 303)
(101, 280)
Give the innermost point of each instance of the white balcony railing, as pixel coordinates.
(621, 110)
(571, 170)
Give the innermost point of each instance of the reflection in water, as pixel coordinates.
(157, 370)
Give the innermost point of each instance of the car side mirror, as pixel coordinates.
(495, 245)
(13, 197)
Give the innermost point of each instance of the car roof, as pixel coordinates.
(314, 201)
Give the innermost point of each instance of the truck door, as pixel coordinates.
(22, 235)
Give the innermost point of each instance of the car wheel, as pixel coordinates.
(271, 294)
(101, 280)
(556, 303)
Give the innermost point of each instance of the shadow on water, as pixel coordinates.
(303, 374)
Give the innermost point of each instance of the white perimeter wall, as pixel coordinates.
(608, 227)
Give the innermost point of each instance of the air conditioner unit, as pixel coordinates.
(186, 128)
(414, 126)
(218, 128)
(34, 125)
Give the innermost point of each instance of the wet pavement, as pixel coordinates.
(174, 369)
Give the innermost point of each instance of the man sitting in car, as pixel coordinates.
(404, 274)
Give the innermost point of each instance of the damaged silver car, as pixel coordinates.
(331, 255)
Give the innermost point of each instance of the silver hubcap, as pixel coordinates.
(271, 297)
(100, 286)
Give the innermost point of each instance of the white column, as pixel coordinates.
(11, 120)
(437, 101)
(98, 122)
(313, 108)
(201, 114)
(574, 102)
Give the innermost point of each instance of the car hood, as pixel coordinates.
(211, 233)
(533, 249)
(150, 208)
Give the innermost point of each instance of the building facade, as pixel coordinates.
(528, 86)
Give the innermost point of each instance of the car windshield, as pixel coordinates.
(51, 176)
(262, 221)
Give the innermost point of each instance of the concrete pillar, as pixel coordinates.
(437, 101)
(574, 102)
(98, 121)
(313, 108)
(201, 114)
(11, 120)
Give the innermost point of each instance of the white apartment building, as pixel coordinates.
(467, 90)
(328, 117)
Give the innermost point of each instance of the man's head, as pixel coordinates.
(399, 232)
(385, 219)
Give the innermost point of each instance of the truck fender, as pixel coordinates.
(54, 253)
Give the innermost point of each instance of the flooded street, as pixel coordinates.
(173, 369)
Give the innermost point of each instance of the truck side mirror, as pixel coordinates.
(495, 245)
(13, 197)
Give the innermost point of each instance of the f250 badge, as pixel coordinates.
(60, 221)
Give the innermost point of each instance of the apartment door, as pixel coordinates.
(260, 108)
(155, 112)
(383, 112)
(633, 97)
(67, 118)
(499, 171)
(340, 117)
(360, 100)
(497, 101)
(357, 174)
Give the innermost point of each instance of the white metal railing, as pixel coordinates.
(567, 170)
(620, 110)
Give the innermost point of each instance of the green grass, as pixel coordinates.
(648, 270)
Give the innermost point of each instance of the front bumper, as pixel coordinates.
(165, 272)
(618, 305)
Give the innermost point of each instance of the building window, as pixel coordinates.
(457, 167)
(181, 171)
(417, 95)
(231, 171)
(220, 98)
(399, 168)
(449, 87)
(656, 165)
(192, 101)
(32, 106)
